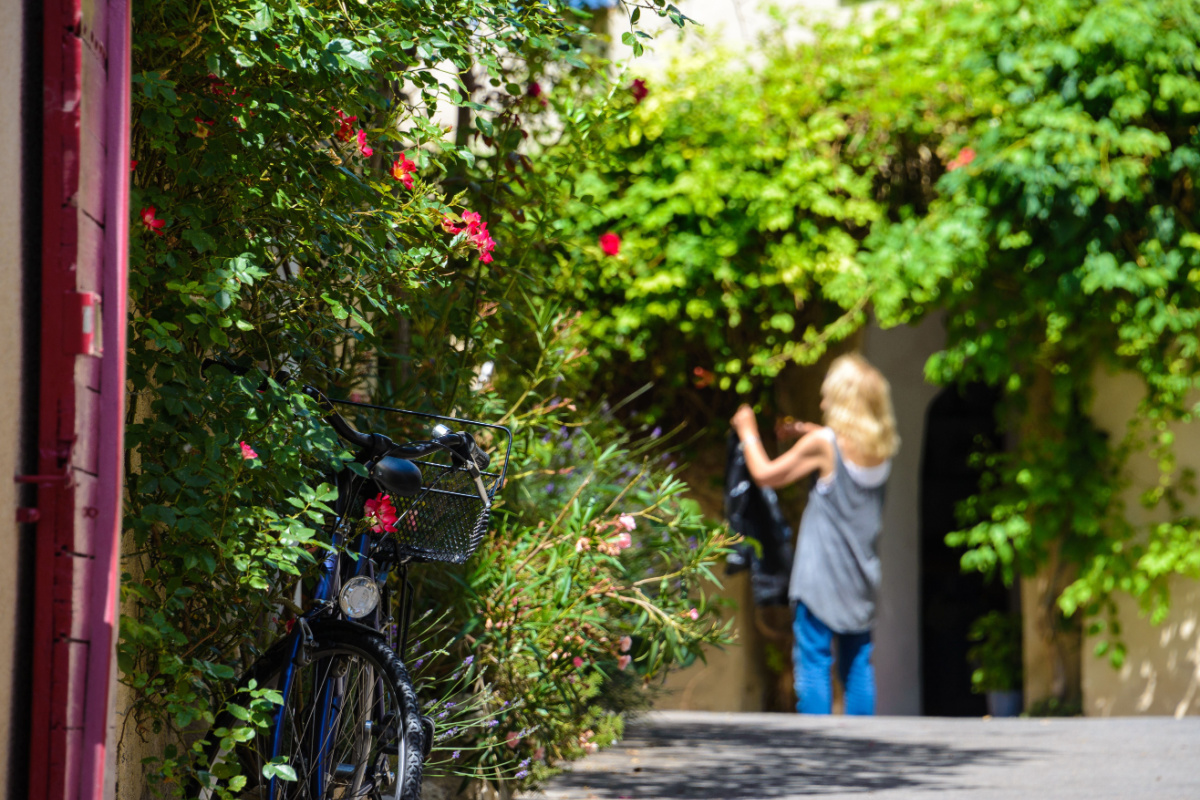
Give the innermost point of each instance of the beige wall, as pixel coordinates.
(732, 679)
(10, 356)
(1162, 671)
(900, 354)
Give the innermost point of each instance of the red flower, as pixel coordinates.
(345, 131)
(610, 243)
(132, 166)
(247, 451)
(639, 90)
(402, 171)
(704, 377)
(534, 90)
(380, 514)
(202, 127)
(150, 223)
(477, 232)
(964, 157)
(483, 242)
(363, 147)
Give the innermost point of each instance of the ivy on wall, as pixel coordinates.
(1026, 168)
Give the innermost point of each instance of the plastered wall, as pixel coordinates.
(900, 354)
(1161, 674)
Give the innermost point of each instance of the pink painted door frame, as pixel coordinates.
(85, 213)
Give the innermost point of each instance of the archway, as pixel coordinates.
(957, 423)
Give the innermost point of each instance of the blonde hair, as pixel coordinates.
(859, 406)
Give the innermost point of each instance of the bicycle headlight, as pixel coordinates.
(359, 597)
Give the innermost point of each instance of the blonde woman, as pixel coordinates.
(836, 573)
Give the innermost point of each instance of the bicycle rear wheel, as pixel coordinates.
(348, 727)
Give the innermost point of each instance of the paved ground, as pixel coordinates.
(696, 756)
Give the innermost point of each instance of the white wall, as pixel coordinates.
(900, 354)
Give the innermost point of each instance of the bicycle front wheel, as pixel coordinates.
(348, 727)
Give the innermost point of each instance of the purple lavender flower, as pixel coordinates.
(467, 661)
(450, 705)
(657, 432)
(549, 488)
(418, 663)
(521, 774)
(454, 756)
(546, 439)
(442, 715)
(491, 723)
(523, 764)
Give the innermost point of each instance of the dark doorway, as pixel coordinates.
(958, 423)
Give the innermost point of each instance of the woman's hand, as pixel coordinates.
(744, 422)
(789, 428)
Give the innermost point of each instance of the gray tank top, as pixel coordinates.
(836, 574)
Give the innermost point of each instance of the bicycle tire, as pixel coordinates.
(338, 756)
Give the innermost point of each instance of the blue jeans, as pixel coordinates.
(813, 657)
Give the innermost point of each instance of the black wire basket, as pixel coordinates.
(448, 519)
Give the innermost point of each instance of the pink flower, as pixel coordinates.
(149, 222)
(380, 514)
(964, 157)
(202, 127)
(694, 614)
(247, 451)
(623, 662)
(402, 171)
(577, 661)
(704, 377)
(512, 739)
(483, 242)
(476, 230)
(584, 544)
(610, 243)
(534, 90)
(621, 541)
(638, 90)
(539, 754)
(345, 131)
(624, 643)
(627, 522)
(362, 144)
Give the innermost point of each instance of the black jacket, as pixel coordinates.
(754, 513)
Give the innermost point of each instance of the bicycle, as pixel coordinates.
(345, 721)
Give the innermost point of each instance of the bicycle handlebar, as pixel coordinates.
(461, 445)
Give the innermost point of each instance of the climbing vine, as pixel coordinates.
(1027, 169)
(317, 189)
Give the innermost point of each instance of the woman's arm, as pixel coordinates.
(813, 453)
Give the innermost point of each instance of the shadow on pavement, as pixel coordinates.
(696, 760)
